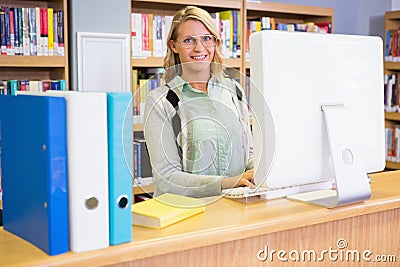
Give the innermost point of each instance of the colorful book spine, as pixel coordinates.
(34, 86)
(24, 85)
(39, 46)
(25, 31)
(44, 31)
(3, 91)
(46, 85)
(228, 25)
(55, 34)
(16, 32)
(55, 85)
(145, 35)
(50, 31)
(135, 162)
(139, 161)
(63, 85)
(8, 32)
(135, 34)
(3, 42)
(13, 86)
(32, 32)
(12, 32)
(235, 35)
(20, 31)
(60, 32)
(157, 36)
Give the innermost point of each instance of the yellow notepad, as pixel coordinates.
(165, 210)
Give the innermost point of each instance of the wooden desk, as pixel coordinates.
(231, 234)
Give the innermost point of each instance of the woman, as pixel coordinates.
(211, 148)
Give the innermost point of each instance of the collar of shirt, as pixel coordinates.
(182, 86)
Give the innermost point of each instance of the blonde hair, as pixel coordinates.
(172, 63)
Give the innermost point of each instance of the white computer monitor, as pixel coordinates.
(317, 103)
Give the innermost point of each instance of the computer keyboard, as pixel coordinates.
(277, 192)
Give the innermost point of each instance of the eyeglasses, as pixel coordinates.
(207, 40)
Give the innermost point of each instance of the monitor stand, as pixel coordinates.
(352, 182)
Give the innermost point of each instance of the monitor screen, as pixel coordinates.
(295, 74)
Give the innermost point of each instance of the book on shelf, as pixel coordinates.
(50, 31)
(143, 81)
(44, 30)
(29, 30)
(12, 33)
(3, 91)
(20, 30)
(392, 48)
(391, 92)
(24, 85)
(142, 164)
(269, 23)
(392, 141)
(236, 34)
(32, 31)
(165, 210)
(149, 33)
(16, 32)
(55, 32)
(136, 34)
(226, 37)
(60, 32)
(25, 31)
(228, 23)
(146, 52)
(323, 26)
(3, 42)
(157, 37)
(39, 46)
(166, 26)
(8, 31)
(12, 87)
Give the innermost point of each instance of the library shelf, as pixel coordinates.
(37, 67)
(392, 22)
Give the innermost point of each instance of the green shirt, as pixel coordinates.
(213, 142)
(215, 138)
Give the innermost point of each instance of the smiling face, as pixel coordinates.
(197, 54)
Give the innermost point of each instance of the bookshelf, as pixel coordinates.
(392, 23)
(20, 67)
(249, 10)
(283, 13)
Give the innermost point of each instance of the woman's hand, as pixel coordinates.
(244, 179)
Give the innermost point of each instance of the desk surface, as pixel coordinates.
(224, 220)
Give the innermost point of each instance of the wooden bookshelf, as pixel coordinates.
(138, 127)
(392, 165)
(392, 22)
(37, 67)
(143, 189)
(283, 13)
